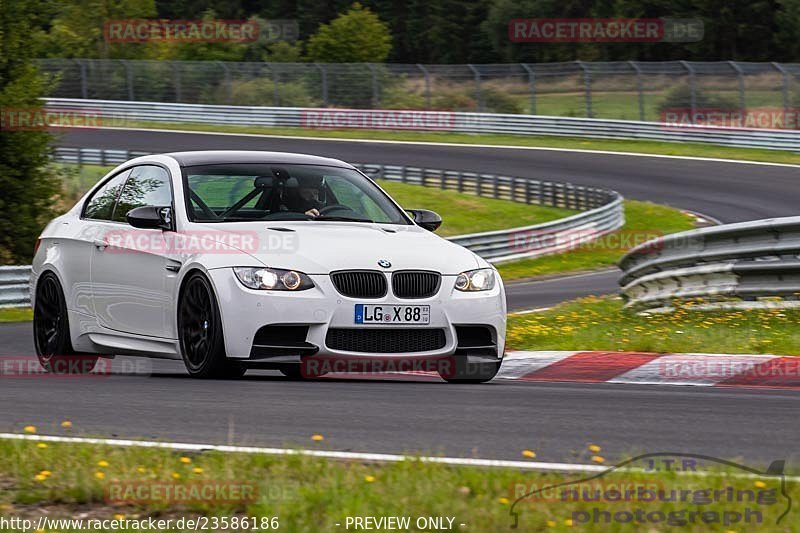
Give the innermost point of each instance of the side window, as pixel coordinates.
(147, 185)
(101, 205)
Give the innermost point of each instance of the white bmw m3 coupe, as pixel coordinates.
(232, 260)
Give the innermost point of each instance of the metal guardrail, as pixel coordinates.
(124, 113)
(745, 264)
(602, 210)
(14, 285)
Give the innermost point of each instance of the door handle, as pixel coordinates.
(100, 245)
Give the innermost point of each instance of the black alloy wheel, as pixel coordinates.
(51, 331)
(200, 332)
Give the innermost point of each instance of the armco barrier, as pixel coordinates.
(745, 264)
(125, 113)
(14, 285)
(601, 210)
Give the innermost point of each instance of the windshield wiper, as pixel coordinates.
(342, 218)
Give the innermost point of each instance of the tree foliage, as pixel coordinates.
(27, 188)
(357, 36)
(425, 31)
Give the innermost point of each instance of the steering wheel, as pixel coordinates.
(333, 207)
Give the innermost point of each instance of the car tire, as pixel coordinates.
(463, 371)
(51, 335)
(200, 332)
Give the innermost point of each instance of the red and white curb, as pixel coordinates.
(699, 369)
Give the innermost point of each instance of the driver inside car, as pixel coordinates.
(305, 196)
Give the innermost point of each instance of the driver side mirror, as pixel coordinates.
(150, 217)
(428, 220)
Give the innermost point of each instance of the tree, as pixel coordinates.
(78, 28)
(27, 188)
(357, 36)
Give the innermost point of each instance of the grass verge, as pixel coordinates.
(309, 494)
(634, 146)
(600, 323)
(16, 314)
(643, 221)
(465, 213)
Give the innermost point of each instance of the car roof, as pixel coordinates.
(212, 157)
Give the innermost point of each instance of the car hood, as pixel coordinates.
(317, 247)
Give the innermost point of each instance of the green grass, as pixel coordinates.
(16, 314)
(643, 221)
(635, 146)
(308, 494)
(464, 213)
(600, 323)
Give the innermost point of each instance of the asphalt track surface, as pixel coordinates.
(496, 420)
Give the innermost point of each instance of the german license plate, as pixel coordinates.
(392, 314)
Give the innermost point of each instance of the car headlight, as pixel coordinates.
(475, 280)
(273, 279)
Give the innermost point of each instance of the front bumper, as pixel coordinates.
(244, 311)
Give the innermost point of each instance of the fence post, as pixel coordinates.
(176, 77)
(531, 85)
(376, 97)
(587, 82)
(427, 85)
(784, 87)
(84, 81)
(228, 83)
(740, 76)
(128, 79)
(276, 81)
(324, 81)
(692, 90)
(639, 88)
(478, 95)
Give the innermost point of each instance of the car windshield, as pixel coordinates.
(249, 192)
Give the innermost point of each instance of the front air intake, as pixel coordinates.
(360, 283)
(374, 340)
(415, 284)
